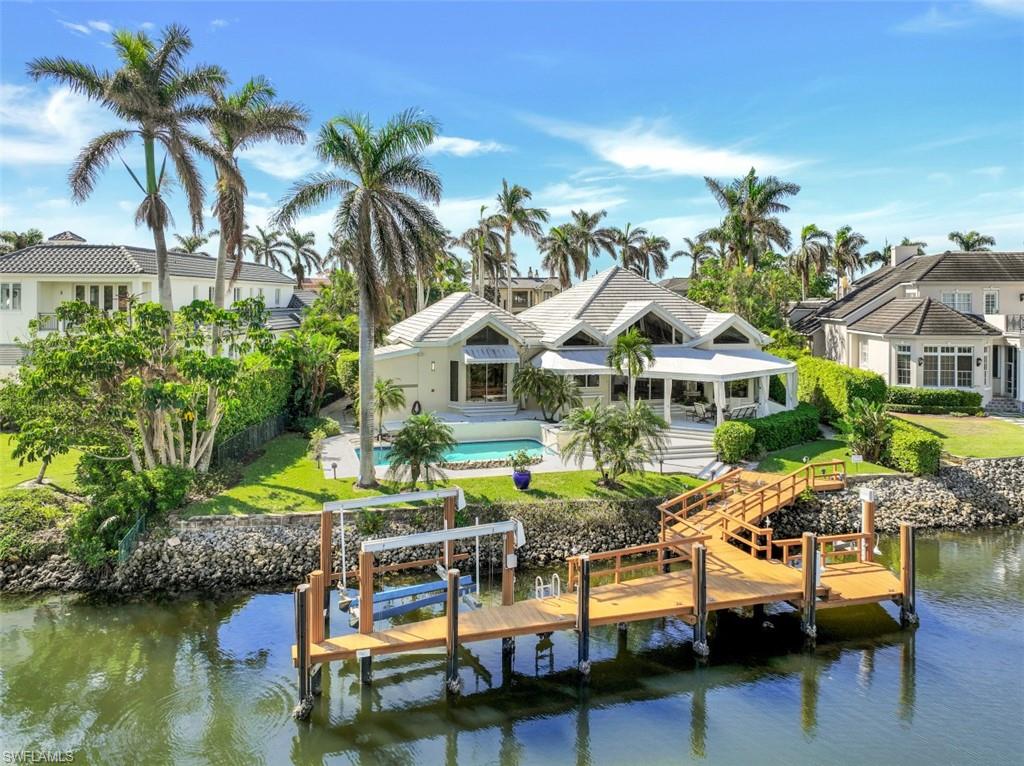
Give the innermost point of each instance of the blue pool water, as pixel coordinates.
(495, 449)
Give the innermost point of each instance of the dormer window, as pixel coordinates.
(657, 330)
(488, 336)
(582, 339)
(732, 335)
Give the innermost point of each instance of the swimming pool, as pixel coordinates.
(493, 449)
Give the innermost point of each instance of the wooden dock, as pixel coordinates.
(712, 554)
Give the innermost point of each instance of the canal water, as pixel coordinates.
(198, 681)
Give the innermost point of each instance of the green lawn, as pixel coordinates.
(786, 460)
(284, 480)
(61, 471)
(972, 436)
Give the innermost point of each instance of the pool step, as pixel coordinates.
(486, 409)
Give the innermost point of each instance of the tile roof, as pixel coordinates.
(921, 316)
(283, 319)
(453, 314)
(76, 258)
(302, 299)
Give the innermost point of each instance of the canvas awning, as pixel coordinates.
(675, 362)
(490, 354)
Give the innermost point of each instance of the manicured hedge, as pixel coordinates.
(934, 397)
(734, 440)
(831, 386)
(262, 391)
(912, 449)
(923, 409)
(784, 429)
(348, 372)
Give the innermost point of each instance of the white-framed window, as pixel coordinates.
(252, 292)
(863, 354)
(277, 296)
(991, 301)
(984, 364)
(903, 370)
(210, 293)
(260, 291)
(236, 294)
(10, 296)
(959, 300)
(106, 297)
(587, 381)
(948, 367)
(195, 292)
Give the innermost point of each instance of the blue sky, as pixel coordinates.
(900, 119)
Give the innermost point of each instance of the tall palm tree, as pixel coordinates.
(240, 120)
(190, 243)
(972, 241)
(590, 239)
(267, 247)
(340, 254)
(811, 257)
(630, 355)
(908, 242)
(483, 242)
(514, 215)
(697, 250)
(717, 240)
(630, 241)
(302, 255)
(17, 240)
(387, 395)
(653, 251)
(558, 248)
(161, 101)
(752, 207)
(844, 255)
(381, 181)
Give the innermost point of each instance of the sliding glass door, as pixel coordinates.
(486, 382)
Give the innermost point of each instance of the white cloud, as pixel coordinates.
(285, 161)
(463, 147)
(459, 213)
(940, 178)
(147, 25)
(218, 23)
(991, 172)
(39, 127)
(933, 21)
(81, 29)
(101, 26)
(1006, 7)
(675, 227)
(562, 198)
(644, 146)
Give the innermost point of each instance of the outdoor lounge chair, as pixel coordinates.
(701, 413)
(745, 412)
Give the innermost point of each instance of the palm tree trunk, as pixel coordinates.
(367, 477)
(805, 283)
(163, 282)
(508, 264)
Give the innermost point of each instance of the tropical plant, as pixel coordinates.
(520, 460)
(972, 241)
(558, 250)
(515, 215)
(752, 206)
(190, 243)
(587, 431)
(267, 247)
(631, 353)
(589, 239)
(908, 242)
(339, 252)
(387, 395)
(630, 241)
(239, 121)
(561, 395)
(531, 382)
(653, 255)
(844, 254)
(380, 180)
(483, 242)
(302, 255)
(311, 355)
(419, 447)
(14, 240)
(811, 257)
(867, 428)
(697, 250)
(620, 440)
(161, 101)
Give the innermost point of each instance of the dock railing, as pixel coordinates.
(665, 553)
(678, 509)
(831, 547)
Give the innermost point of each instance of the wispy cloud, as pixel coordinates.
(219, 23)
(288, 162)
(646, 146)
(561, 199)
(81, 29)
(1005, 7)
(101, 26)
(933, 21)
(463, 147)
(991, 172)
(938, 177)
(459, 213)
(88, 27)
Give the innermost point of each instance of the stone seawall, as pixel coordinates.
(224, 553)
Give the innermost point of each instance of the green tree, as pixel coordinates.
(811, 257)
(558, 248)
(531, 382)
(867, 428)
(190, 243)
(515, 215)
(161, 101)
(972, 241)
(418, 449)
(311, 355)
(844, 255)
(302, 254)
(631, 353)
(908, 242)
(589, 239)
(654, 256)
(587, 429)
(620, 440)
(382, 183)
(387, 395)
(14, 240)
(697, 250)
(267, 247)
(630, 241)
(483, 242)
(562, 395)
(752, 206)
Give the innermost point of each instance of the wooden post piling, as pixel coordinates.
(449, 523)
(583, 617)
(508, 659)
(809, 570)
(908, 604)
(314, 606)
(508, 573)
(365, 610)
(699, 557)
(303, 709)
(867, 524)
(326, 561)
(452, 681)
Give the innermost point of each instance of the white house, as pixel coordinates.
(460, 354)
(947, 320)
(36, 279)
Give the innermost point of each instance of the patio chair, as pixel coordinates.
(745, 412)
(701, 414)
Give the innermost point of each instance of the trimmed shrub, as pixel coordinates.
(326, 426)
(934, 397)
(912, 449)
(784, 429)
(925, 409)
(262, 390)
(734, 440)
(348, 372)
(27, 517)
(831, 386)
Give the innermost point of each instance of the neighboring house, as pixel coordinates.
(679, 285)
(948, 320)
(527, 291)
(36, 279)
(460, 354)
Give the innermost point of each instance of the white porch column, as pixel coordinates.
(667, 415)
(790, 390)
(762, 396)
(719, 386)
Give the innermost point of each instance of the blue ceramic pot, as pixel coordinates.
(521, 479)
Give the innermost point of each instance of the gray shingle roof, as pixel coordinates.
(302, 299)
(449, 316)
(283, 319)
(921, 316)
(122, 260)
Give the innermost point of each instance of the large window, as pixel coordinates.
(582, 339)
(949, 366)
(10, 296)
(738, 389)
(106, 297)
(487, 337)
(453, 381)
(902, 365)
(587, 381)
(958, 300)
(732, 335)
(863, 353)
(277, 296)
(485, 382)
(643, 388)
(520, 299)
(657, 330)
(991, 301)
